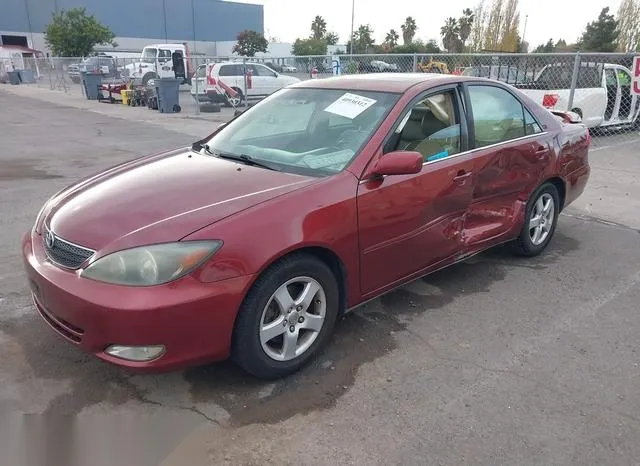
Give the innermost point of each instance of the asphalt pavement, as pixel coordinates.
(499, 360)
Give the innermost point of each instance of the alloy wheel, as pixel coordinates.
(541, 219)
(293, 318)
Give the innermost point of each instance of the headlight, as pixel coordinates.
(151, 265)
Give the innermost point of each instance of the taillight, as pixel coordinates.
(550, 100)
(588, 137)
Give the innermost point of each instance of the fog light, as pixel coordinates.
(135, 353)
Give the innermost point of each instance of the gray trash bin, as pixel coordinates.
(14, 77)
(27, 76)
(168, 92)
(90, 82)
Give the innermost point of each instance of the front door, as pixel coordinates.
(611, 83)
(510, 160)
(626, 110)
(266, 79)
(412, 222)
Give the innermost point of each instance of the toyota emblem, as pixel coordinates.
(49, 239)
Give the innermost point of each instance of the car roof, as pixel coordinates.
(382, 82)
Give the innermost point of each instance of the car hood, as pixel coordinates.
(161, 198)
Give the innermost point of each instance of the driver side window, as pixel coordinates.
(431, 127)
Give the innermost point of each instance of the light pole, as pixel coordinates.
(353, 12)
(524, 32)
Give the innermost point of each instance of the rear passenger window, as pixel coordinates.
(497, 115)
(531, 126)
(228, 70)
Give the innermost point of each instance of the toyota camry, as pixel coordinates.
(251, 242)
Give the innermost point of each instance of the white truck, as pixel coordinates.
(602, 97)
(160, 61)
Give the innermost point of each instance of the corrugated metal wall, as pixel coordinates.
(215, 20)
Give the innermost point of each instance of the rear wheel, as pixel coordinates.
(235, 101)
(541, 217)
(286, 318)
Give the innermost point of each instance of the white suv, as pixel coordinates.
(213, 80)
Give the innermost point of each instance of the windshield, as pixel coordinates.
(149, 55)
(309, 131)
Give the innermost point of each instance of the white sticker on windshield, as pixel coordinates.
(350, 105)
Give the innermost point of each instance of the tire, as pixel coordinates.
(235, 101)
(147, 77)
(177, 108)
(265, 357)
(527, 244)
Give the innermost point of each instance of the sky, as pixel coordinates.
(558, 19)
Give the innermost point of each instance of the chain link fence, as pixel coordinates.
(598, 87)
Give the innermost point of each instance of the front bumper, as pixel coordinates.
(193, 320)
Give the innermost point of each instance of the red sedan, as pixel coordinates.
(328, 193)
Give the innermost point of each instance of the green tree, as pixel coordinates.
(304, 47)
(391, 39)
(73, 33)
(363, 39)
(332, 38)
(417, 46)
(318, 28)
(409, 29)
(600, 35)
(549, 47)
(249, 43)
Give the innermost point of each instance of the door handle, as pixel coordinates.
(461, 176)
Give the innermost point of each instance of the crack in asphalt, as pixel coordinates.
(593, 219)
(145, 400)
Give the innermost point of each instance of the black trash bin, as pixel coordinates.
(91, 82)
(14, 77)
(168, 92)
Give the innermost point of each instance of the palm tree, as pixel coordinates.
(391, 39)
(318, 27)
(465, 23)
(450, 34)
(409, 29)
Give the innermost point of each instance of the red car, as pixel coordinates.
(250, 243)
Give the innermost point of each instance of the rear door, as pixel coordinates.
(511, 153)
(231, 75)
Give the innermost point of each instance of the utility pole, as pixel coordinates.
(353, 12)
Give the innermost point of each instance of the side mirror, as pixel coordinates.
(397, 163)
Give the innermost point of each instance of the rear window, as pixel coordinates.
(559, 77)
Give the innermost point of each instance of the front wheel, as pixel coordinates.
(541, 217)
(286, 317)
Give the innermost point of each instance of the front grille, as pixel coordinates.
(64, 253)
